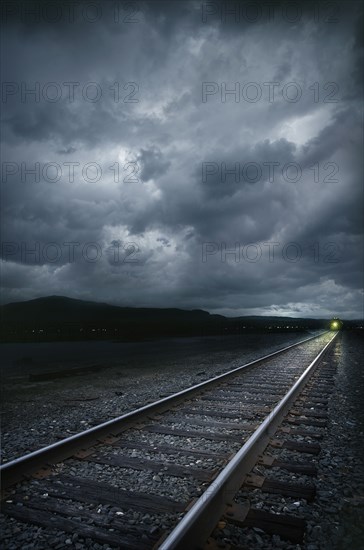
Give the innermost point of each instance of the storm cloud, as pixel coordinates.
(184, 155)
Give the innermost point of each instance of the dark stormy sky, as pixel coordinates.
(131, 175)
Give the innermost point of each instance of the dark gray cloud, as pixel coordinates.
(152, 163)
(117, 180)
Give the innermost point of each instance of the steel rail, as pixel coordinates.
(196, 526)
(16, 470)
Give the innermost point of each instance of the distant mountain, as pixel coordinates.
(59, 317)
(59, 309)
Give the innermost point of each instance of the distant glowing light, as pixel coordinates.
(335, 325)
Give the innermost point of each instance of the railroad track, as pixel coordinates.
(172, 473)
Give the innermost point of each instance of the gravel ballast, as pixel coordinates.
(35, 414)
(334, 517)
